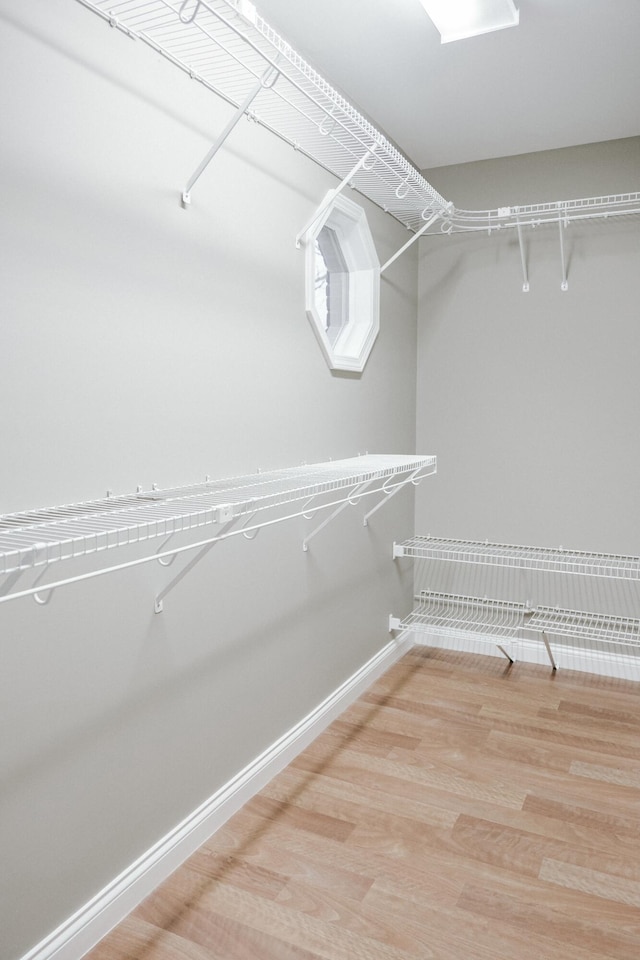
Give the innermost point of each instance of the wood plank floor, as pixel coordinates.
(462, 809)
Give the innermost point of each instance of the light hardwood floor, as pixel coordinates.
(462, 809)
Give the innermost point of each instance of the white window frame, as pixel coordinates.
(354, 343)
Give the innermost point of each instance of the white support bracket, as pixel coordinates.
(504, 652)
(395, 623)
(391, 492)
(549, 653)
(525, 275)
(159, 601)
(412, 240)
(351, 501)
(267, 81)
(366, 162)
(398, 550)
(565, 284)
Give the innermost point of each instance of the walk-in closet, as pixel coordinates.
(319, 547)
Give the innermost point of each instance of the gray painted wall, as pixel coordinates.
(532, 400)
(141, 343)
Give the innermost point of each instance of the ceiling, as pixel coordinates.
(568, 74)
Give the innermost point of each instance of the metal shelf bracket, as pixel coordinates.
(352, 500)
(561, 225)
(200, 555)
(525, 275)
(390, 489)
(364, 163)
(266, 82)
(416, 236)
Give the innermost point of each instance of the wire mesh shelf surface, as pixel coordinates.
(601, 638)
(551, 559)
(39, 537)
(453, 615)
(621, 631)
(227, 46)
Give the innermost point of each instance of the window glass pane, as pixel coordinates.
(331, 283)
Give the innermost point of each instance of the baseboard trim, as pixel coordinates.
(84, 929)
(567, 657)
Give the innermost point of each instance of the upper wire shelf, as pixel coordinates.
(227, 46)
(550, 559)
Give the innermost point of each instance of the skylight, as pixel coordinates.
(458, 19)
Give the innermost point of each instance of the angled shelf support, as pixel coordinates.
(368, 158)
(523, 259)
(561, 226)
(351, 500)
(390, 489)
(430, 220)
(266, 82)
(200, 555)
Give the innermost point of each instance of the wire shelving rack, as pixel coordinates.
(591, 627)
(461, 618)
(545, 559)
(228, 47)
(33, 541)
(464, 618)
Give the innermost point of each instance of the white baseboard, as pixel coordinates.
(82, 931)
(533, 651)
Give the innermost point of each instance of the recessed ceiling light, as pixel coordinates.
(457, 19)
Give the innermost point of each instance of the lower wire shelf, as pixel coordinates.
(459, 618)
(501, 623)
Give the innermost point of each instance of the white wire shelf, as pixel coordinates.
(451, 615)
(39, 538)
(547, 559)
(227, 46)
(535, 215)
(593, 627)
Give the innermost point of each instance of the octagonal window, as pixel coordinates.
(343, 284)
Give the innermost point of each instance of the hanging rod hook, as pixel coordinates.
(402, 194)
(372, 154)
(167, 561)
(325, 130)
(184, 4)
(388, 486)
(269, 79)
(252, 534)
(353, 499)
(311, 515)
(43, 600)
